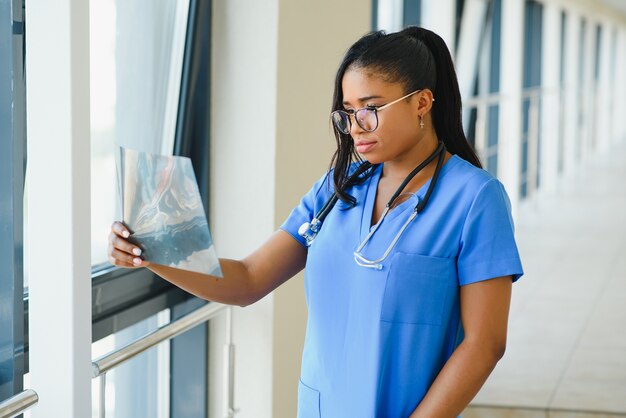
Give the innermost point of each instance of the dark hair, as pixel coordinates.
(419, 59)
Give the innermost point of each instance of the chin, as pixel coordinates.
(372, 158)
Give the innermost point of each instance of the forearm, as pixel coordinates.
(458, 382)
(235, 288)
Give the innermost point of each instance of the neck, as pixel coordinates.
(400, 167)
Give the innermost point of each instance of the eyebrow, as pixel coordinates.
(364, 99)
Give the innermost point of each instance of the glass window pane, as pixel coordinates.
(136, 60)
(139, 387)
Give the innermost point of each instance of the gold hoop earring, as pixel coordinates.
(421, 122)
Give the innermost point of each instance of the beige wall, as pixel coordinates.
(271, 61)
(312, 39)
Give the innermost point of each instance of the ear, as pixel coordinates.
(425, 101)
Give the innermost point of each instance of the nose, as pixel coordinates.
(355, 128)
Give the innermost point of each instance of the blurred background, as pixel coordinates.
(244, 89)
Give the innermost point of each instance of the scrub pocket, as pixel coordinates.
(308, 401)
(418, 288)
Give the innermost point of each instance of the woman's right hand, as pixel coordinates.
(122, 253)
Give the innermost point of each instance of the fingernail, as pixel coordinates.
(136, 251)
(137, 260)
(125, 234)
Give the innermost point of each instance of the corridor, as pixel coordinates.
(566, 347)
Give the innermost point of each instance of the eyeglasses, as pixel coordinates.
(366, 118)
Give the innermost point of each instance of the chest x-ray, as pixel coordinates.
(161, 205)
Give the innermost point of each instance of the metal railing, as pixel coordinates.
(481, 131)
(529, 133)
(19, 403)
(103, 364)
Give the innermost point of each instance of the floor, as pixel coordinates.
(566, 349)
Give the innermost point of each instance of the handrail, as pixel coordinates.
(19, 403)
(164, 333)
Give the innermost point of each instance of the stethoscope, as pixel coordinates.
(309, 230)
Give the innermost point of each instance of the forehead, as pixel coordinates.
(358, 84)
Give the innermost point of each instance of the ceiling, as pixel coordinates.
(619, 5)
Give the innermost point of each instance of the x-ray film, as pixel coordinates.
(161, 206)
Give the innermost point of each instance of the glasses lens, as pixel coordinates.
(366, 118)
(341, 120)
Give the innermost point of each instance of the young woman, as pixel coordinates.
(408, 246)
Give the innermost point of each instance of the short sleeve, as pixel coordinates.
(309, 205)
(488, 248)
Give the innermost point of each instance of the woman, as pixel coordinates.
(411, 255)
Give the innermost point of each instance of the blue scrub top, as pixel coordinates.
(376, 340)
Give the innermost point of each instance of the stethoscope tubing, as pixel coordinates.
(310, 230)
(377, 264)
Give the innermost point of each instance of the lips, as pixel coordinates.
(364, 146)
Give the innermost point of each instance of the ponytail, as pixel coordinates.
(446, 110)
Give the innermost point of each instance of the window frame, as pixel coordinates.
(12, 169)
(123, 297)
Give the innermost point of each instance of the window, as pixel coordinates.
(12, 157)
(150, 91)
(137, 52)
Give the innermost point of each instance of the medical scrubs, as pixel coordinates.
(376, 339)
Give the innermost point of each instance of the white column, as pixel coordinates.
(550, 79)
(390, 15)
(589, 93)
(510, 126)
(619, 110)
(439, 16)
(466, 62)
(57, 76)
(243, 32)
(571, 131)
(603, 131)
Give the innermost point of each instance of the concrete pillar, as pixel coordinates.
(268, 64)
(589, 93)
(439, 16)
(571, 130)
(472, 24)
(243, 140)
(550, 79)
(619, 110)
(57, 76)
(390, 14)
(510, 127)
(603, 131)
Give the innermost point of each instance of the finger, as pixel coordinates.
(118, 263)
(120, 229)
(126, 258)
(123, 245)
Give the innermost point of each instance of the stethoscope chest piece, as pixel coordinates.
(309, 230)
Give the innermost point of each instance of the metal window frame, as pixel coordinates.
(122, 297)
(189, 368)
(12, 167)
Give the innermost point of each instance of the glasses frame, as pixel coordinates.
(354, 113)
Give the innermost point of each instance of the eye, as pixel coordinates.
(371, 106)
